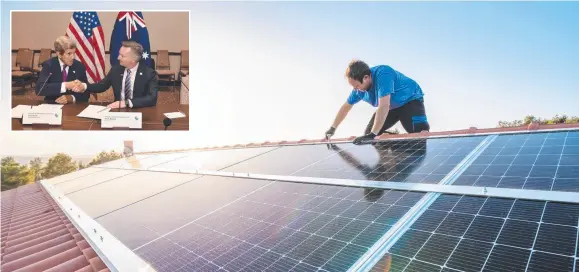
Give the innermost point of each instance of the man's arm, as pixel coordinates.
(43, 85)
(381, 114)
(101, 86)
(342, 113)
(150, 97)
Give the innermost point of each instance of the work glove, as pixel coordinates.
(368, 137)
(330, 132)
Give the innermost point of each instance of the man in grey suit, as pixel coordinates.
(134, 85)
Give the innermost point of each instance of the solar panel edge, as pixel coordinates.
(112, 251)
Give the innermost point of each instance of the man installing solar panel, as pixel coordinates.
(396, 97)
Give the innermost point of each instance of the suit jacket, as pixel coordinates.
(49, 85)
(145, 87)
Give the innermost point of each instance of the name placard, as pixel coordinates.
(122, 120)
(41, 115)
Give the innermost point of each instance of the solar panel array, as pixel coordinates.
(466, 233)
(284, 227)
(199, 222)
(541, 161)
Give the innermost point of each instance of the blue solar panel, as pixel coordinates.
(210, 159)
(280, 227)
(414, 160)
(466, 233)
(536, 161)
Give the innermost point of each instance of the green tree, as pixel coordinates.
(514, 123)
(557, 119)
(36, 168)
(13, 174)
(529, 119)
(58, 165)
(81, 165)
(105, 157)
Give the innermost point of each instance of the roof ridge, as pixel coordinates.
(470, 131)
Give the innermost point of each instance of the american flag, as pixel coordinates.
(85, 28)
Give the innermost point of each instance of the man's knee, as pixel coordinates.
(419, 124)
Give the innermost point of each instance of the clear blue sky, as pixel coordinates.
(274, 70)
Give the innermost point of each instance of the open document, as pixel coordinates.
(94, 112)
(173, 115)
(18, 111)
(50, 106)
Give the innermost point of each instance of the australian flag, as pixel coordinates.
(130, 25)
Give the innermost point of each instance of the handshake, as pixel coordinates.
(76, 86)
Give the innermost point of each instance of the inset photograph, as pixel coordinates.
(100, 70)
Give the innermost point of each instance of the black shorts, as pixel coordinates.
(412, 116)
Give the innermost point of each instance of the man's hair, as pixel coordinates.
(357, 69)
(135, 47)
(63, 43)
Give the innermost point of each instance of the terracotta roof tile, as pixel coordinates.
(37, 236)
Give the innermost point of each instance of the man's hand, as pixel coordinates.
(368, 137)
(64, 99)
(115, 105)
(330, 132)
(76, 86)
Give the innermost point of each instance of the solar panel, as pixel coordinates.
(416, 160)
(145, 220)
(211, 159)
(124, 162)
(74, 175)
(537, 161)
(285, 160)
(151, 160)
(121, 191)
(91, 179)
(467, 233)
(280, 227)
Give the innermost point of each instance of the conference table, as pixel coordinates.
(152, 117)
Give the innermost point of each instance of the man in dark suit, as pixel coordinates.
(134, 85)
(59, 74)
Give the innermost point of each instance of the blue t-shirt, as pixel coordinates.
(387, 81)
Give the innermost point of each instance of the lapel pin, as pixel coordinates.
(141, 73)
(74, 72)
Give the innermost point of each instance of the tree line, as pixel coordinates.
(563, 119)
(14, 174)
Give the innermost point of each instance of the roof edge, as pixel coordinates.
(472, 131)
(114, 254)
